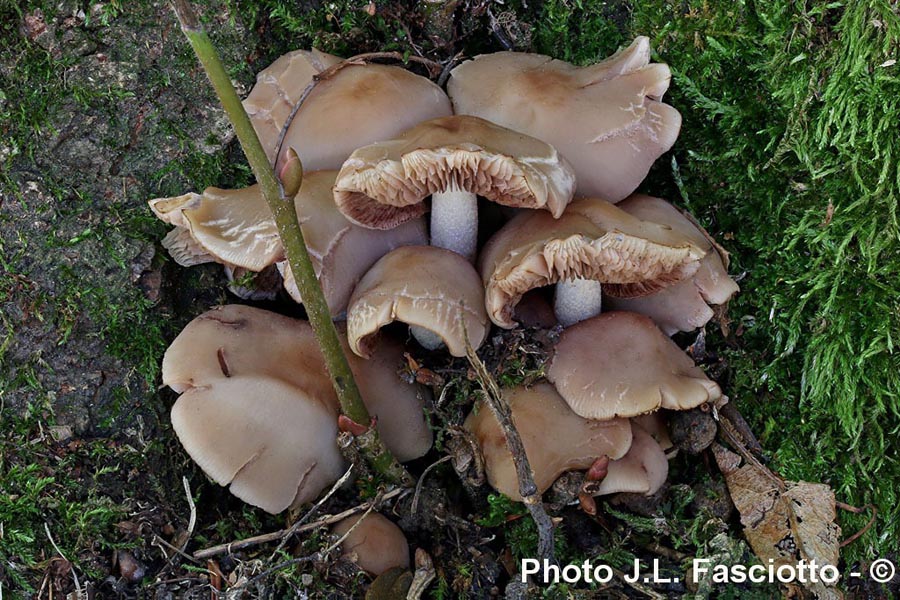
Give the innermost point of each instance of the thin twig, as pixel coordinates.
(527, 488)
(313, 556)
(639, 586)
(192, 520)
(60, 552)
(858, 511)
(277, 535)
(299, 523)
(415, 500)
(159, 542)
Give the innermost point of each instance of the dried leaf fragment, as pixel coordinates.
(785, 521)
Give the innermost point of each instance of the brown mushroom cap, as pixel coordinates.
(606, 119)
(643, 470)
(376, 544)
(556, 440)
(386, 183)
(272, 443)
(235, 227)
(592, 240)
(281, 355)
(685, 305)
(358, 105)
(397, 407)
(620, 364)
(424, 286)
(341, 251)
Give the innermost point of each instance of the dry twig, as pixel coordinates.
(527, 488)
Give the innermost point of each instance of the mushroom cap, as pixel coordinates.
(235, 227)
(341, 251)
(232, 227)
(643, 470)
(619, 364)
(398, 407)
(271, 441)
(386, 183)
(376, 544)
(593, 239)
(606, 119)
(555, 439)
(685, 305)
(358, 105)
(430, 287)
(236, 341)
(240, 342)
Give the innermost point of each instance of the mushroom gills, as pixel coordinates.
(454, 221)
(576, 300)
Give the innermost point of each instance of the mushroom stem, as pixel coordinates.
(426, 338)
(576, 300)
(454, 221)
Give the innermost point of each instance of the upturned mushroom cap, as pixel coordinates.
(358, 105)
(643, 470)
(272, 443)
(281, 355)
(423, 286)
(620, 364)
(376, 544)
(386, 183)
(556, 440)
(235, 227)
(606, 119)
(232, 227)
(594, 240)
(685, 305)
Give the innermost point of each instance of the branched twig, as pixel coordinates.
(279, 196)
(278, 535)
(527, 488)
(299, 523)
(314, 555)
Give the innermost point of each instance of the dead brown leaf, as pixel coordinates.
(785, 521)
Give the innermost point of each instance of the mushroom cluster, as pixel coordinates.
(555, 147)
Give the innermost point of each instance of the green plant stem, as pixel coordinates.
(282, 206)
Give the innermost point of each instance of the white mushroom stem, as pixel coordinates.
(454, 221)
(576, 300)
(426, 338)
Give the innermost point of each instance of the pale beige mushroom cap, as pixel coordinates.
(620, 364)
(232, 227)
(606, 119)
(272, 443)
(435, 289)
(555, 439)
(235, 227)
(685, 305)
(643, 470)
(238, 341)
(235, 342)
(592, 240)
(386, 183)
(359, 105)
(376, 544)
